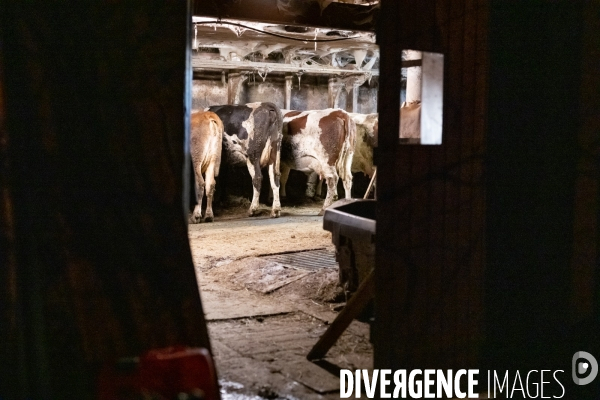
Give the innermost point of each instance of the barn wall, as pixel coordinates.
(206, 93)
(309, 97)
(430, 216)
(312, 95)
(585, 262)
(367, 100)
(496, 269)
(95, 261)
(264, 91)
(542, 188)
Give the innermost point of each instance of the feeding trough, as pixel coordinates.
(352, 226)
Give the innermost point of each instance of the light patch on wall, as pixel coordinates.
(421, 97)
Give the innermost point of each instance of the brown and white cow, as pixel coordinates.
(366, 139)
(362, 161)
(205, 146)
(319, 142)
(252, 137)
(410, 120)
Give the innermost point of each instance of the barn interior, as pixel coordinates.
(487, 245)
(271, 287)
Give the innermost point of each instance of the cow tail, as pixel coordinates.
(217, 129)
(279, 123)
(219, 125)
(344, 161)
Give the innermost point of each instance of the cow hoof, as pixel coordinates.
(195, 219)
(322, 212)
(275, 214)
(209, 219)
(251, 213)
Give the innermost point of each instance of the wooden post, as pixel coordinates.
(371, 183)
(288, 91)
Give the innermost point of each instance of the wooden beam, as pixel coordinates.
(198, 64)
(353, 308)
(411, 63)
(336, 15)
(219, 65)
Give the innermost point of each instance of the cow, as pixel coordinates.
(252, 137)
(367, 126)
(319, 142)
(362, 161)
(366, 139)
(410, 120)
(205, 146)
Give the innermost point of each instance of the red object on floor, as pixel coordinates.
(166, 372)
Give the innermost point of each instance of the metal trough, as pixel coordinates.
(352, 224)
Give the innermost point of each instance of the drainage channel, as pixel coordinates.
(308, 259)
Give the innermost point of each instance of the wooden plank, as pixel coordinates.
(479, 131)
(389, 275)
(311, 375)
(451, 169)
(438, 287)
(417, 247)
(587, 214)
(465, 244)
(353, 308)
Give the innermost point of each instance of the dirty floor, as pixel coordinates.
(265, 311)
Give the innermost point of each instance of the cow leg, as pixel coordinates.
(285, 173)
(275, 184)
(254, 169)
(210, 191)
(313, 177)
(347, 181)
(331, 183)
(319, 191)
(283, 177)
(335, 185)
(347, 177)
(197, 214)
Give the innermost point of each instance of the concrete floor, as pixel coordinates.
(259, 340)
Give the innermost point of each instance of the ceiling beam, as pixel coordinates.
(307, 13)
(207, 64)
(219, 65)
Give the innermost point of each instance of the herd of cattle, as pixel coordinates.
(328, 144)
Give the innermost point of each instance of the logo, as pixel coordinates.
(580, 368)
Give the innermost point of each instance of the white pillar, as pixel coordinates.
(234, 88)
(355, 97)
(334, 93)
(413, 78)
(288, 91)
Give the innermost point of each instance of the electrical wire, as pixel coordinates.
(274, 34)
